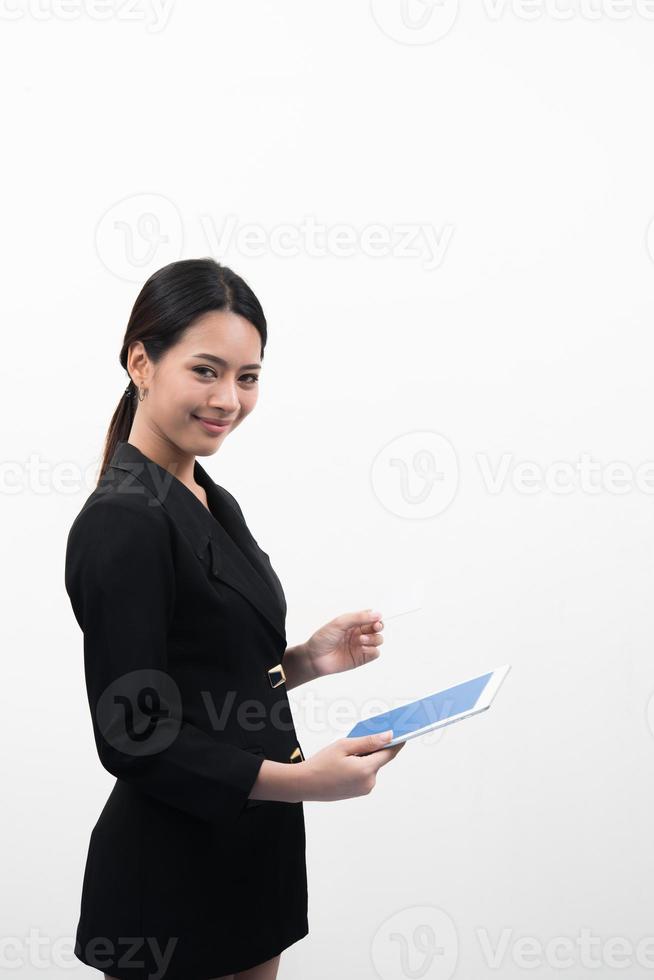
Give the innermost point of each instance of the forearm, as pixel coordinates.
(298, 667)
(282, 781)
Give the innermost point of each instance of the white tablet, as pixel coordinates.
(436, 710)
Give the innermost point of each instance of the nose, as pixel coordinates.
(225, 400)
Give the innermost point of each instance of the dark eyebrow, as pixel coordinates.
(223, 362)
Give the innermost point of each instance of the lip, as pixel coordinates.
(212, 425)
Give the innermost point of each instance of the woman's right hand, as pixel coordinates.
(346, 768)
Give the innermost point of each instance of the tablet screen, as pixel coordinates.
(420, 714)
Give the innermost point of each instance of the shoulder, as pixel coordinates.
(119, 550)
(117, 545)
(111, 522)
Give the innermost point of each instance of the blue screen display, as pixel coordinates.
(437, 707)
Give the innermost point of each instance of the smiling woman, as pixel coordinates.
(193, 350)
(187, 873)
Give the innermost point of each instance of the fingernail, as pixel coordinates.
(386, 736)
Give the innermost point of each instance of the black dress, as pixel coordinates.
(184, 636)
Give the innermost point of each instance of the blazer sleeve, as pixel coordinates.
(120, 578)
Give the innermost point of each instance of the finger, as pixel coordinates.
(363, 744)
(375, 627)
(361, 618)
(384, 756)
(366, 640)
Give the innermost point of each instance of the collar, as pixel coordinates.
(234, 555)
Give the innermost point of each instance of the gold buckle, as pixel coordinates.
(296, 755)
(276, 675)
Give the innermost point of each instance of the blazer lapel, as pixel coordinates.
(230, 529)
(233, 553)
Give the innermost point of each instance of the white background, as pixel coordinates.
(521, 139)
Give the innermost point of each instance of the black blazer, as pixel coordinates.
(184, 638)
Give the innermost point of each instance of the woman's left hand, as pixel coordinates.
(350, 640)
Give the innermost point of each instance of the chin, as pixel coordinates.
(206, 450)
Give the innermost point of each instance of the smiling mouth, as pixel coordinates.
(216, 424)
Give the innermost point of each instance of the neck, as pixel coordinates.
(162, 452)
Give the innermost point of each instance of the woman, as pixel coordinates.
(196, 866)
